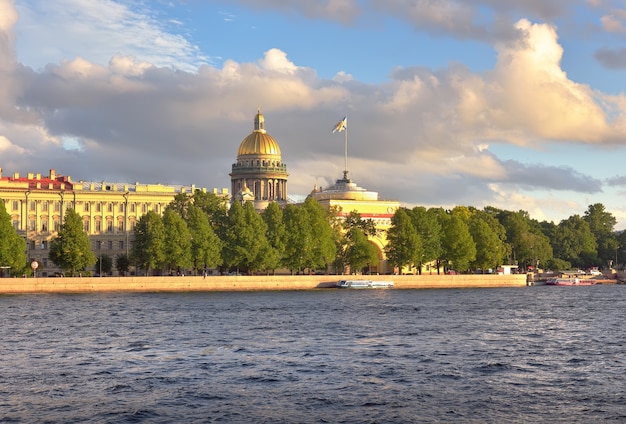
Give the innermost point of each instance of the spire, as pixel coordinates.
(259, 122)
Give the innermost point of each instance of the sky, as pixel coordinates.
(515, 104)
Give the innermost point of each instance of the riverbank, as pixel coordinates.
(244, 283)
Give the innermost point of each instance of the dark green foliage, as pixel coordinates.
(245, 243)
(488, 235)
(12, 246)
(149, 249)
(360, 253)
(104, 265)
(70, 250)
(459, 249)
(122, 263)
(298, 238)
(273, 218)
(323, 248)
(206, 247)
(177, 242)
(404, 246)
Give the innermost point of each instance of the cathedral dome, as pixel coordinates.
(259, 142)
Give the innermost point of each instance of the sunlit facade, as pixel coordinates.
(345, 197)
(37, 204)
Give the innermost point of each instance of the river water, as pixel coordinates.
(531, 354)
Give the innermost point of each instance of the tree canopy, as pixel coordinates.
(12, 246)
(70, 250)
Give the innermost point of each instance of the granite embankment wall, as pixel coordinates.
(243, 283)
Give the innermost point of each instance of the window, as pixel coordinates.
(98, 207)
(16, 205)
(44, 225)
(121, 245)
(109, 226)
(110, 244)
(16, 224)
(32, 225)
(31, 244)
(44, 245)
(144, 208)
(121, 207)
(57, 225)
(44, 207)
(86, 209)
(98, 245)
(110, 207)
(120, 226)
(86, 225)
(33, 205)
(57, 206)
(132, 208)
(98, 226)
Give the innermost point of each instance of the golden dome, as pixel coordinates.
(259, 142)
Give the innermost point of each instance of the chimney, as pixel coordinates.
(0, 173)
(53, 174)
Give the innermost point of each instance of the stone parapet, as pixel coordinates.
(244, 283)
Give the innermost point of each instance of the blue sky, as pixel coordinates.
(513, 104)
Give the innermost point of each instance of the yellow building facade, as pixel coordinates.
(37, 203)
(345, 197)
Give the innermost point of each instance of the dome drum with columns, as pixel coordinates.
(259, 175)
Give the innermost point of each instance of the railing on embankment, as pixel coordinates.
(244, 283)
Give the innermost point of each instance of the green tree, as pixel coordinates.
(178, 241)
(323, 246)
(573, 241)
(104, 265)
(180, 204)
(245, 243)
(273, 217)
(360, 253)
(12, 246)
(263, 256)
(354, 220)
(70, 250)
(429, 231)
(404, 246)
(214, 206)
(149, 249)
(459, 249)
(122, 263)
(298, 238)
(206, 246)
(488, 235)
(602, 224)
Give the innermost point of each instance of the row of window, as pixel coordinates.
(95, 245)
(15, 206)
(32, 225)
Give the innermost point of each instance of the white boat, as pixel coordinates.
(364, 284)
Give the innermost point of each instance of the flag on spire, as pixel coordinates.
(341, 125)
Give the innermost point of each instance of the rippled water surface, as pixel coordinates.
(532, 354)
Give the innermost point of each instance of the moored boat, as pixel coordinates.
(571, 282)
(364, 284)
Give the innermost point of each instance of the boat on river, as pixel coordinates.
(571, 282)
(364, 284)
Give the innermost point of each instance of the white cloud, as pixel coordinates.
(426, 134)
(99, 29)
